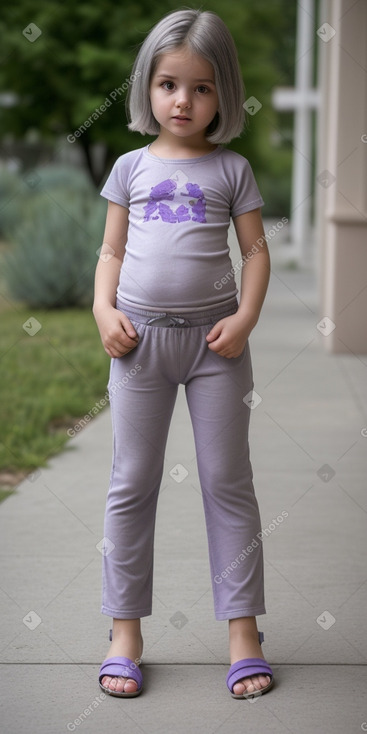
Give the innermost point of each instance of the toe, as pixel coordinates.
(254, 684)
(239, 688)
(131, 685)
(119, 684)
(112, 683)
(251, 684)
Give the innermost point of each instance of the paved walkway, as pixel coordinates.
(308, 441)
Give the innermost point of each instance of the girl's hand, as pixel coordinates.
(228, 336)
(117, 332)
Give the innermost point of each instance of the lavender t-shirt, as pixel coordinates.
(179, 213)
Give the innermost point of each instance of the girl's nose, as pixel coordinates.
(183, 99)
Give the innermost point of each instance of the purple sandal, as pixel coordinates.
(244, 669)
(125, 668)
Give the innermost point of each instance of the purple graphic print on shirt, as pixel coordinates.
(165, 191)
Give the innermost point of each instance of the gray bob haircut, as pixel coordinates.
(203, 33)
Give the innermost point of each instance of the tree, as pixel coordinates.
(86, 50)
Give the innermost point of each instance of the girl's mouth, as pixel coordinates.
(179, 118)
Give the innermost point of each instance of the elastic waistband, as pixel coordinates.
(174, 319)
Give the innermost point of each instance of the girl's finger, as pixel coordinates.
(128, 327)
(215, 332)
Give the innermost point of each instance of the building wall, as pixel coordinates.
(342, 176)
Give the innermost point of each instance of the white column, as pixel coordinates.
(302, 99)
(302, 141)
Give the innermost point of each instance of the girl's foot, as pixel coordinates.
(126, 642)
(244, 643)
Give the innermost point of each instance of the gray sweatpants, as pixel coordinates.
(143, 386)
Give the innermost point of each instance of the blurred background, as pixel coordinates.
(64, 78)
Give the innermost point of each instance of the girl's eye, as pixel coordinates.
(169, 86)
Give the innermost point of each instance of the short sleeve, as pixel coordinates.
(246, 195)
(116, 188)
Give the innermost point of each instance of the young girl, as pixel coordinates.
(166, 308)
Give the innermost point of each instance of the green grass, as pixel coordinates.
(4, 494)
(48, 381)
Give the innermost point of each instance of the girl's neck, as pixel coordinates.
(179, 148)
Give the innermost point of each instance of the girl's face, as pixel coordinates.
(183, 96)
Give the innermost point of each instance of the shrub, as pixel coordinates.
(53, 260)
(18, 191)
(58, 176)
(10, 187)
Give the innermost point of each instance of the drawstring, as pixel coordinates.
(165, 320)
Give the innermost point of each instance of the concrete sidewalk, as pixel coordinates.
(308, 449)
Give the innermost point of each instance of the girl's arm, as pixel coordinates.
(117, 332)
(228, 336)
(256, 265)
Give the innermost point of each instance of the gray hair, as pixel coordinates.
(202, 33)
